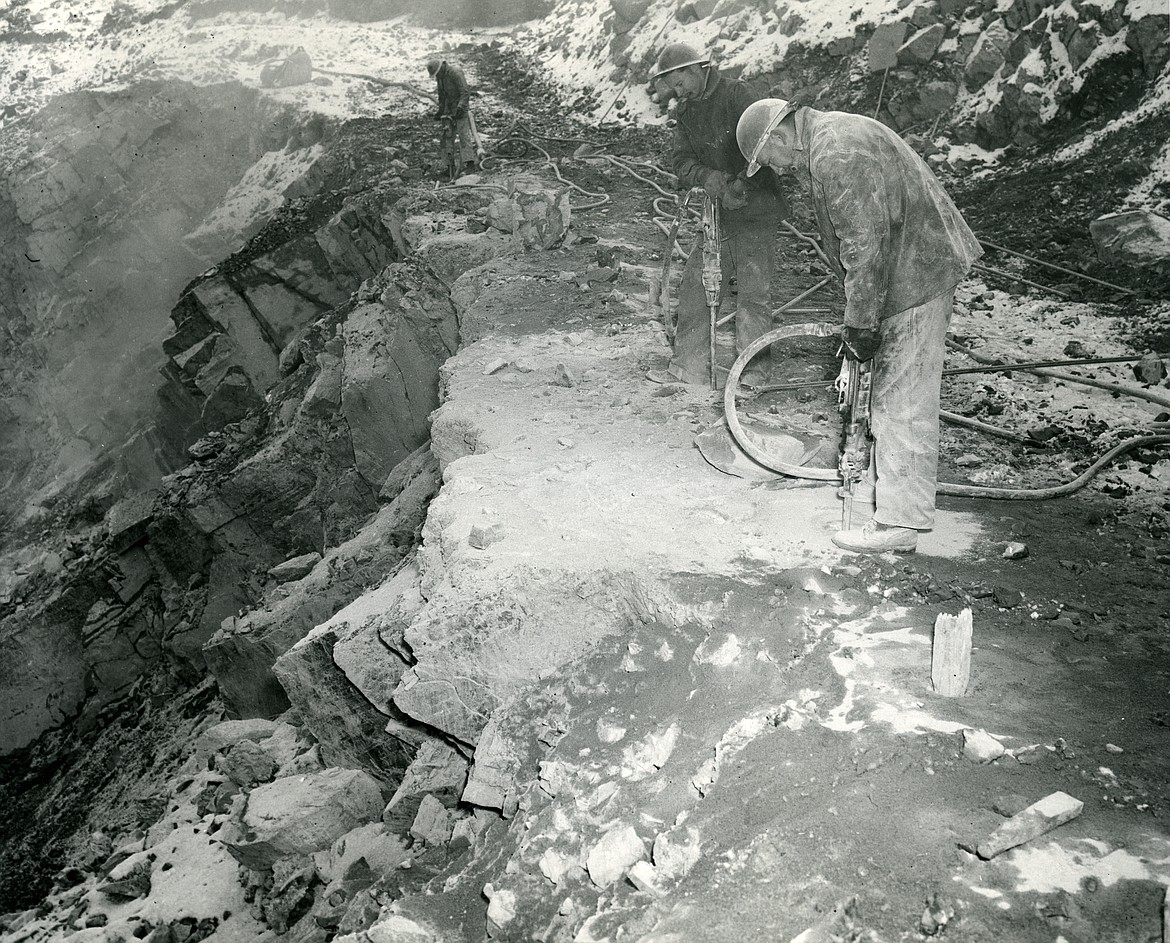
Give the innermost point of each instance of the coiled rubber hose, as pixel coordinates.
(824, 329)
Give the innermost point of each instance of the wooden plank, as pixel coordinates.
(950, 667)
(1039, 818)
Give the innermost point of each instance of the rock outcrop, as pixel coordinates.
(232, 325)
(92, 220)
(997, 74)
(381, 375)
(316, 365)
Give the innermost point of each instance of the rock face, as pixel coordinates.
(319, 362)
(393, 350)
(241, 654)
(92, 219)
(1007, 69)
(231, 326)
(355, 725)
(379, 373)
(42, 677)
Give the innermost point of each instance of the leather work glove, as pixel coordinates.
(735, 196)
(716, 183)
(861, 342)
(728, 190)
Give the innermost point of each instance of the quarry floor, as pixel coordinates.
(781, 723)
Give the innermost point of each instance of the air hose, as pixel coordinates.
(824, 329)
(600, 199)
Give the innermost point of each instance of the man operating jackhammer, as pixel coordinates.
(705, 155)
(455, 108)
(900, 247)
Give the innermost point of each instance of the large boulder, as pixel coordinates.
(42, 676)
(295, 69)
(393, 351)
(355, 725)
(438, 771)
(882, 50)
(920, 48)
(1149, 37)
(1081, 44)
(300, 815)
(1137, 237)
(630, 10)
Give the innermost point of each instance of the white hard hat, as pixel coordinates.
(759, 120)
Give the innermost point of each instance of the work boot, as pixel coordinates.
(663, 376)
(673, 375)
(877, 538)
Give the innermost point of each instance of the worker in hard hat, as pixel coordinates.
(455, 105)
(705, 155)
(900, 247)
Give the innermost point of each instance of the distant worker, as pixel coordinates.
(455, 107)
(705, 155)
(900, 246)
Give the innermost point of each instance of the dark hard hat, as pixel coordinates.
(433, 65)
(679, 56)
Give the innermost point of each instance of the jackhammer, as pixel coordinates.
(659, 292)
(854, 386)
(449, 146)
(712, 271)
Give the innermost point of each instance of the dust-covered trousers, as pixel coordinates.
(907, 376)
(464, 133)
(748, 252)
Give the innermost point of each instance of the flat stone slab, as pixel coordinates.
(1040, 817)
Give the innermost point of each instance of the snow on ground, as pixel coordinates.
(574, 44)
(226, 47)
(750, 40)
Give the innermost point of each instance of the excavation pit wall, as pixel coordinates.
(376, 377)
(321, 453)
(113, 200)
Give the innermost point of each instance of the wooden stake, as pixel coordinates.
(950, 667)
(881, 92)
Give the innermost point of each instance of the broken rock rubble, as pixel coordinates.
(981, 747)
(617, 850)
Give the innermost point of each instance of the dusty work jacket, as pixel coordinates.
(885, 219)
(454, 94)
(704, 140)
